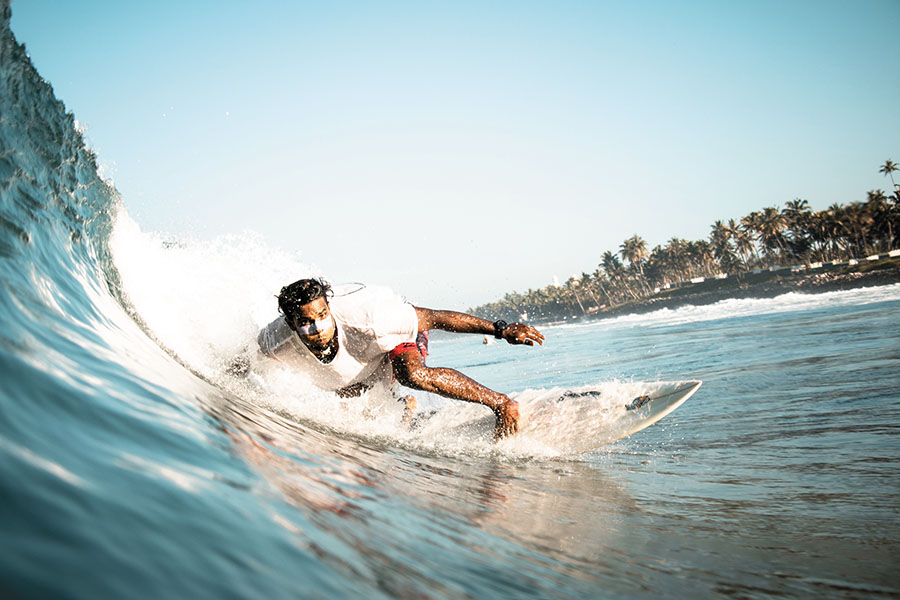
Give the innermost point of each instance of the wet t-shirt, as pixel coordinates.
(371, 321)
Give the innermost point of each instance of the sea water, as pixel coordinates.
(133, 465)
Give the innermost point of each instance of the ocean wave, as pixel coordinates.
(55, 210)
(745, 307)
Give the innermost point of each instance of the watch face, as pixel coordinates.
(499, 327)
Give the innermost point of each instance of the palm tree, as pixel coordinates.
(860, 223)
(750, 225)
(730, 264)
(881, 211)
(888, 169)
(587, 284)
(600, 280)
(817, 233)
(796, 215)
(837, 230)
(657, 268)
(720, 240)
(634, 250)
(703, 256)
(572, 286)
(769, 227)
(743, 241)
(677, 258)
(617, 274)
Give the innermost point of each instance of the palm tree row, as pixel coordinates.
(762, 239)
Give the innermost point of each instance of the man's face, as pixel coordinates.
(314, 324)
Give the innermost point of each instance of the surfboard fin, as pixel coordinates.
(637, 402)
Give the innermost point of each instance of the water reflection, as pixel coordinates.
(414, 514)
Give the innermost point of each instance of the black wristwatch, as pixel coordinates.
(499, 327)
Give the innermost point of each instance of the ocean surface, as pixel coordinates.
(133, 466)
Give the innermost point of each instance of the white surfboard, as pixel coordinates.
(568, 421)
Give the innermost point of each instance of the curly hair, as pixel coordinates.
(300, 293)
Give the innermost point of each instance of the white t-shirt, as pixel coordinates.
(371, 321)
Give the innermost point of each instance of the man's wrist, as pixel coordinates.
(499, 401)
(499, 328)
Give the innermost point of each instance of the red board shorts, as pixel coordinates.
(421, 344)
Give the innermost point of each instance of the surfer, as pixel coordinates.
(348, 341)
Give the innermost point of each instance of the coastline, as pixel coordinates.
(760, 285)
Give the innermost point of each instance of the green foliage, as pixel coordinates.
(762, 240)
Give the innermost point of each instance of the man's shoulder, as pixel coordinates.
(362, 303)
(378, 314)
(361, 292)
(274, 335)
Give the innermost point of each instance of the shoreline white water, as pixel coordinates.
(732, 307)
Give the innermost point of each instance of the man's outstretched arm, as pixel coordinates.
(457, 322)
(411, 371)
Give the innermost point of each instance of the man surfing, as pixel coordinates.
(350, 340)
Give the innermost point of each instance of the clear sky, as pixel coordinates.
(457, 151)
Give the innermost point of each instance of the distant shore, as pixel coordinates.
(766, 284)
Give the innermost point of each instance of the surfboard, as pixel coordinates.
(569, 421)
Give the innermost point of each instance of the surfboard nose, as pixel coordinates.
(689, 387)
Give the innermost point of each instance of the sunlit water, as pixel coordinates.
(131, 465)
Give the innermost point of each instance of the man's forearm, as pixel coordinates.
(412, 372)
(452, 384)
(457, 322)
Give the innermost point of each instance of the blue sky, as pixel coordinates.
(460, 150)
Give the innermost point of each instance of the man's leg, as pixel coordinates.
(411, 371)
(409, 401)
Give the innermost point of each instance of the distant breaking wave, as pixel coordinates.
(744, 307)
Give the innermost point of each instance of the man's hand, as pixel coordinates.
(519, 333)
(353, 390)
(411, 371)
(507, 419)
